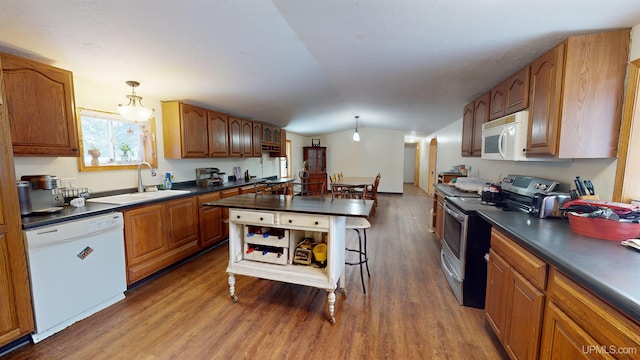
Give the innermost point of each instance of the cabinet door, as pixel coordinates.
(40, 104)
(480, 116)
(524, 318)
(257, 139)
(16, 317)
(209, 220)
(181, 221)
(517, 88)
(235, 136)
(564, 339)
(283, 142)
(497, 297)
(247, 138)
(498, 101)
(544, 98)
(218, 134)
(225, 211)
(267, 134)
(439, 216)
(144, 238)
(195, 140)
(467, 130)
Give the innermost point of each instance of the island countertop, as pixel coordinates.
(298, 204)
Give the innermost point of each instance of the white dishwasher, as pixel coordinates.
(76, 269)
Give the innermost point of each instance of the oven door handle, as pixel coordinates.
(453, 213)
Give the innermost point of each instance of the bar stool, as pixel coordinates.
(357, 224)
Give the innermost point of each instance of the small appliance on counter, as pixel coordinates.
(42, 195)
(209, 177)
(548, 205)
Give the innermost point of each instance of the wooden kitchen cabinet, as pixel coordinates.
(472, 121)
(576, 93)
(193, 132)
(240, 137)
(158, 235)
(16, 317)
(256, 139)
(515, 296)
(517, 91)
(283, 144)
(210, 220)
(467, 130)
(498, 101)
(439, 215)
(225, 211)
(41, 108)
(218, 134)
(579, 325)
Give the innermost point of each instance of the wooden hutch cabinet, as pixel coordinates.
(316, 158)
(16, 319)
(41, 108)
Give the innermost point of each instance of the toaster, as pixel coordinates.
(548, 205)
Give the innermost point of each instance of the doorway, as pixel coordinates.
(433, 155)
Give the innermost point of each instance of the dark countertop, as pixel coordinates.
(607, 268)
(298, 204)
(69, 213)
(452, 191)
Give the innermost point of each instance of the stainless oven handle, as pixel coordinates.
(447, 267)
(453, 213)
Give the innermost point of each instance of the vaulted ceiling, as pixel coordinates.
(307, 65)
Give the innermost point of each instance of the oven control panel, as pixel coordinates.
(528, 185)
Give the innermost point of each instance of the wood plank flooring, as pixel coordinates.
(408, 312)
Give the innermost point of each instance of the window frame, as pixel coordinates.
(150, 148)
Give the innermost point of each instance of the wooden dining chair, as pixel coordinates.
(358, 224)
(308, 189)
(372, 193)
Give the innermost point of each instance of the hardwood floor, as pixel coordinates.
(409, 312)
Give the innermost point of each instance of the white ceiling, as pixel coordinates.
(309, 65)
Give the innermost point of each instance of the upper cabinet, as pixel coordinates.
(498, 101)
(257, 139)
(218, 134)
(240, 137)
(467, 130)
(189, 132)
(41, 108)
(576, 94)
(517, 91)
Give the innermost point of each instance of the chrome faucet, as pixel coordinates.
(140, 184)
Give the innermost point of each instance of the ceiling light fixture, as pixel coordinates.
(134, 110)
(356, 136)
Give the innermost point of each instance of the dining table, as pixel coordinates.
(354, 181)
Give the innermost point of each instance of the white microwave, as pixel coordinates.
(506, 138)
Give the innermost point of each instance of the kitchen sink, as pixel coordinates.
(137, 197)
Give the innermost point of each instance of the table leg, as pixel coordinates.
(232, 287)
(331, 298)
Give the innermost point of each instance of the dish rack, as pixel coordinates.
(72, 193)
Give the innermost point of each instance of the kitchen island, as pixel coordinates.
(265, 232)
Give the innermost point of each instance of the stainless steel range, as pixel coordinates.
(466, 236)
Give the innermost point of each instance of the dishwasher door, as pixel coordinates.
(76, 268)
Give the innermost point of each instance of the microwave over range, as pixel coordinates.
(506, 138)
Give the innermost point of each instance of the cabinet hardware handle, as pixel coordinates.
(261, 219)
(316, 223)
(290, 221)
(238, 217)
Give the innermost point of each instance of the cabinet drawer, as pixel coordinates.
(606, 325)
(209, 197)
(310, 221)
(251, 217)
(230, 192)
(529, 265)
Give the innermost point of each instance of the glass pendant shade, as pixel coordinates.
(356, 136)
(134, 110)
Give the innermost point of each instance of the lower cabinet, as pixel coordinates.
(578, 325)
(555, 318)
(158, 235)
(210, 220)
(515, 298)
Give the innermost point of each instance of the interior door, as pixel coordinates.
(433, 152)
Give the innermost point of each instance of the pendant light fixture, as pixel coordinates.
(134, 110)
(356, 136)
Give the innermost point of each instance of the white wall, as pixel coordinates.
(634, 52)
(89, 95)
(379, 150)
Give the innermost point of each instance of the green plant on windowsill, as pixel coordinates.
(126, 149)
